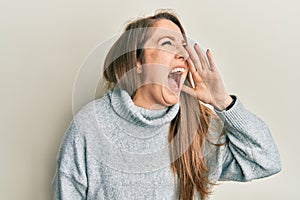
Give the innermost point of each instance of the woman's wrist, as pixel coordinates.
(227, 104)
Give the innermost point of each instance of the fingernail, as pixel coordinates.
(207, 50)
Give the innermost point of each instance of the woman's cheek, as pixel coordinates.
(156, 73)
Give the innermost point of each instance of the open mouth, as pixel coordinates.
(174, 79)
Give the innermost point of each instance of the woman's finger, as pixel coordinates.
(189, 91)
(194, 72)
(201, 57)
(194, 58)
(192, 68)
(211, 60)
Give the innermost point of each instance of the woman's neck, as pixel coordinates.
(143, 100)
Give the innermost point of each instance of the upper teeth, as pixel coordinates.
(178, 69)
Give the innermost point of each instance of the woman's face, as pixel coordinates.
(164, 67)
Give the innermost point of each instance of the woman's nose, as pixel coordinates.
(182, 53)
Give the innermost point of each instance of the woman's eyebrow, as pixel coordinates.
(172, 38)
(166, 36)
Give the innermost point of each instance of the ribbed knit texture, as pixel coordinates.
(115, 150)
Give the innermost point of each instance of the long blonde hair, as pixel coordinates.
(188, 130)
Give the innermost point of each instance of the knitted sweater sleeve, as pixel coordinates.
(249, 152)
(70, 181)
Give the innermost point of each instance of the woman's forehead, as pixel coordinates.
(164, 27)
(166, 24)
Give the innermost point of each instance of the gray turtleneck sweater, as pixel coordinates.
(114, 150)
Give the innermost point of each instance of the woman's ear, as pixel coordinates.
(139, 67)
(138, 63)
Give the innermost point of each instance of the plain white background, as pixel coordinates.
(43, 43)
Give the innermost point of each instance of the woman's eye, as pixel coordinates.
(166, 42)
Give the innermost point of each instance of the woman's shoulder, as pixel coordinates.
(95, 105)
(93, 111)
(89, 121)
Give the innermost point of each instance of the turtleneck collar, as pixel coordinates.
(125, 108)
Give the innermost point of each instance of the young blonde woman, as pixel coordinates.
(152, 135)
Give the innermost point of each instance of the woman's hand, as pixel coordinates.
(208, 86)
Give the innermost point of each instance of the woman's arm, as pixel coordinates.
(250, 152)
(70, 181)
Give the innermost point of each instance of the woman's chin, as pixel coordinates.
(170, 97)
